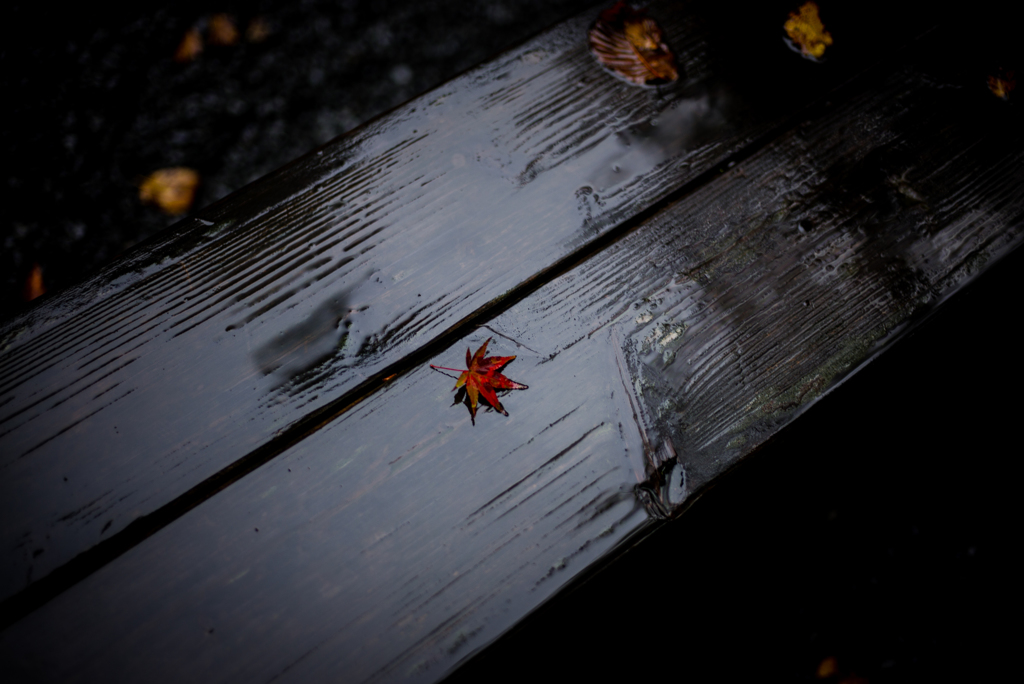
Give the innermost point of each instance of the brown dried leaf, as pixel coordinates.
(807, 35)
(191, 46)
(222, 30)
(34, 286)
(630, 43)
(170, 189)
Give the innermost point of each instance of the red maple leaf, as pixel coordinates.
(482, 380)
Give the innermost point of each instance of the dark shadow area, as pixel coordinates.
(878, 530)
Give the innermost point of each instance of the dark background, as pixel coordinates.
(878, 529)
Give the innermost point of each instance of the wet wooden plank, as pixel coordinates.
(275, 307)
(399, 538)
(833, 540)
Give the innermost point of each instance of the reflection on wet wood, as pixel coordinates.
(203, 348)
(652, 366)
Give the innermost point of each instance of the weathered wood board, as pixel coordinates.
(653, 366)
(140, 393)
(878, 529)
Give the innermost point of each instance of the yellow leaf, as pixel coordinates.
(1002, 85)
(170, 189)
(807, 33)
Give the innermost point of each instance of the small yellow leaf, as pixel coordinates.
(1002, 84)
(170, 189)
(807, 33)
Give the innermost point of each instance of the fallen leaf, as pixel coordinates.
(170, 189)
(34, 286)
(190, 47)
(630, 43)
(482, 380)
(1002, 84)
(222, 30)
(807, 35)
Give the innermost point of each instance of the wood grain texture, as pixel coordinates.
(756, 295)
(398, 539)
(128, 392)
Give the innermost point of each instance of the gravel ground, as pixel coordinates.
(97, 102)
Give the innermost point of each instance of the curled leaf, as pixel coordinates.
(170, 189)
(630, 43)
(806, 34)
(482, 380)
(190, 47)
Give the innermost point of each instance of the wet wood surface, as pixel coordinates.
(398, 538)
(128, 400)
